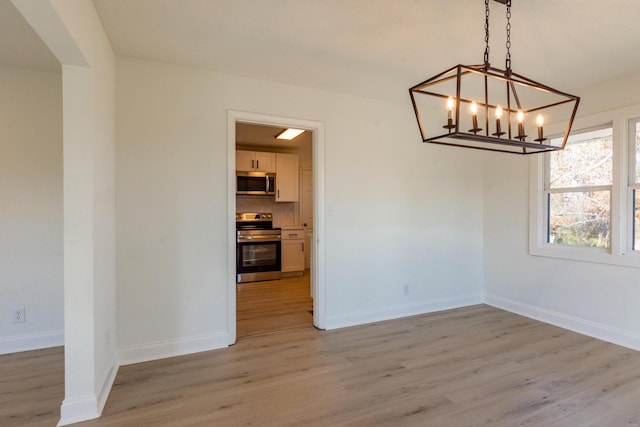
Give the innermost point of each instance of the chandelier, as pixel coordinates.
(482, 107)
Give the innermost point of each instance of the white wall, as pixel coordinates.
(598, 299)
(31, 261)
(398, 212)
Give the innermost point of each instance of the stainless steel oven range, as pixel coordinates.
(257, 248)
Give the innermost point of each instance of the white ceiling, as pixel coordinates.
(378, 47)
(20, 46)
(375, 48)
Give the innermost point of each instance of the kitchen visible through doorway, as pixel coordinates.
(264, 306)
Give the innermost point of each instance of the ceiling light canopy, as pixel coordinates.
(479, 106)
(289, 134)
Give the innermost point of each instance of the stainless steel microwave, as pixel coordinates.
(256, 183)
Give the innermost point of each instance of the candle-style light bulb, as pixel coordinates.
(498, 124)
(449, 125)
(474, 116)
(540, 122)
(520, 119)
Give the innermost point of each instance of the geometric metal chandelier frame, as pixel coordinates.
(483, 107)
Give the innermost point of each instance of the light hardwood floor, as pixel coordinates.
(31, 387)
(275, 305)
(475, 366)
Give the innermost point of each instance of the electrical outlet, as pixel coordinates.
(405, 289)
(18, 315)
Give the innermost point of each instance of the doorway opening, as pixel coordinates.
(295, 299)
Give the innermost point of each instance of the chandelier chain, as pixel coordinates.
(486, 32)
(508, 44)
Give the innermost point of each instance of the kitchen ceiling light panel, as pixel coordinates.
(289, 134)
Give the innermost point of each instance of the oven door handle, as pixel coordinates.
(271, 238)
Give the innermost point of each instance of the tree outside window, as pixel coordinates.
(578, 190)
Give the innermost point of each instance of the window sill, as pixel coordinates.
(584, 254)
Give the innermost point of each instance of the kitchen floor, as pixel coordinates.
(275, 305)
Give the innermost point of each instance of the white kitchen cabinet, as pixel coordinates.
(255, 161)
(293, 251)
(287, 178)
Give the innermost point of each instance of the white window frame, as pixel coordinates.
(632, 183)
(620, 251)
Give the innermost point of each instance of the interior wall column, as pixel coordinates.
(73, 32)
(80, 396)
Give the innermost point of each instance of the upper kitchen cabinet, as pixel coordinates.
(255, 161)
(287, 178)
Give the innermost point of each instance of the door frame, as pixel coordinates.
(301, 207)
(318, 256)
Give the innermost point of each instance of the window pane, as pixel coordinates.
(579, 218)
(636, 229)
(585, 161)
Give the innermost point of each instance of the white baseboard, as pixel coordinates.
(89, 407)
(107, 382)
(27, 342)
(79, 409)
(405, 310)
(582, 326)
(164, 349)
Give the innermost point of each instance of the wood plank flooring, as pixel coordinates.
(31, 387)
(475, 366)
(275, 305)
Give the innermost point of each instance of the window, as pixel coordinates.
(585, 200)
(634, 180)
(578, 190)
